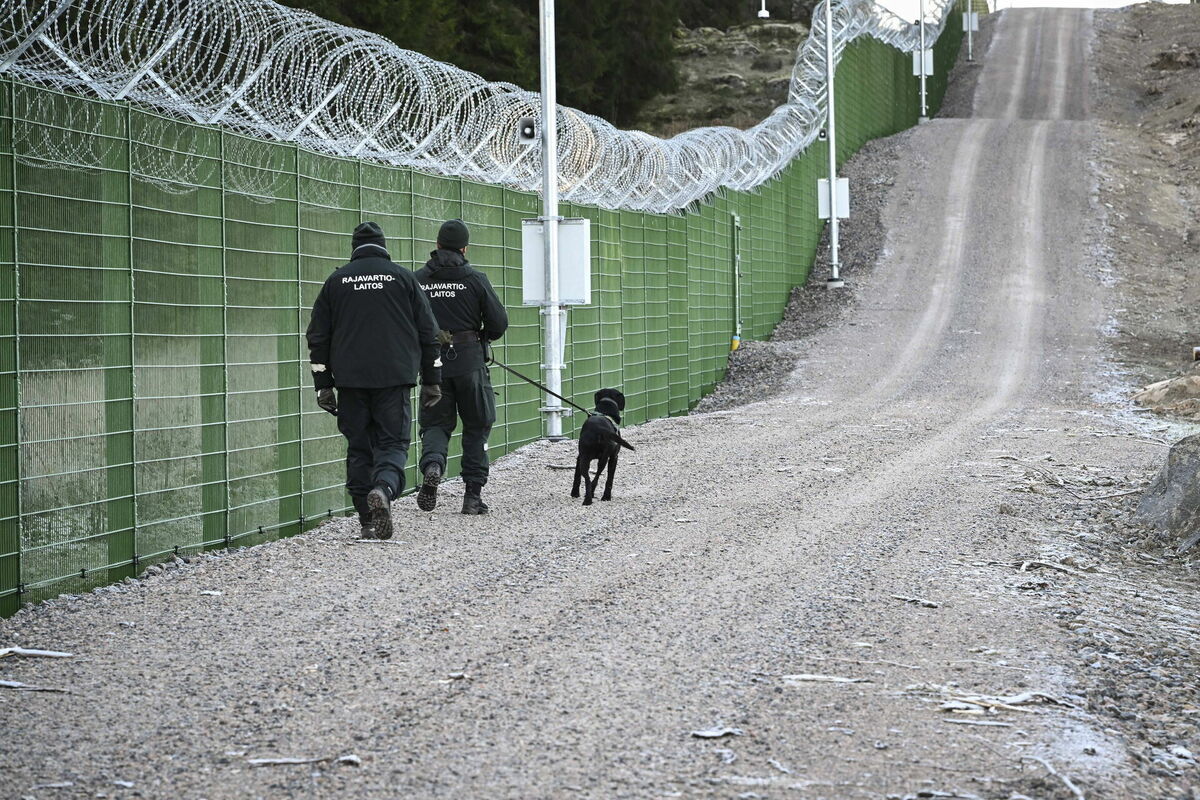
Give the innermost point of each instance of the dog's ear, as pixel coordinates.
(608, 407)
(612, 394)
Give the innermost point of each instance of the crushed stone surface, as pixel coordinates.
(935, 508)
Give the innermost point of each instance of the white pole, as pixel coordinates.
(552, 355)
(834, 281)
(970, 28)
(924, 105)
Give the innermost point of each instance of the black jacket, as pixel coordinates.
(462, 299)
(372, 326)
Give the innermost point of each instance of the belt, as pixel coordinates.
(464, 337)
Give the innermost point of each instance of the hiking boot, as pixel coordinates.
(473, 502)
(367, 529)
(380, 513)
(367, 526)
(427, 496)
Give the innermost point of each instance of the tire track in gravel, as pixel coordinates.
(955, 210)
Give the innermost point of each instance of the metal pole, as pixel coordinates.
(970, 28)
(834, 281)
(552, 355)
(924, 105)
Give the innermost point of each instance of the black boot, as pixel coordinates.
(379, 504)
(364, 518)
(427, 496)
(472, 501)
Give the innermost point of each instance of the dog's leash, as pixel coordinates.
(492, 360)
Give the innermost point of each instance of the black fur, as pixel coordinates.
(600, 441)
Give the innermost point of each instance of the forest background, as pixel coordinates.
(614, 56)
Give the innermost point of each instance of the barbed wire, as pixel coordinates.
(281, 74)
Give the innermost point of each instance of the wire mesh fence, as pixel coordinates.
(157, 277)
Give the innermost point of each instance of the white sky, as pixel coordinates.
(908, 9)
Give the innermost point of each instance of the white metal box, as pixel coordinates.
(574, 262)
(843, 198)
(928, 62)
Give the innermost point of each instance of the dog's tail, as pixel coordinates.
(619, 440)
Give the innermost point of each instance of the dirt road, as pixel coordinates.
(863, 525)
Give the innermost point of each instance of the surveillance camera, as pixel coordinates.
(527, 131)
(822, 135)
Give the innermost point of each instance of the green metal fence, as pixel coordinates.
(157, 278)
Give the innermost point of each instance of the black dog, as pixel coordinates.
(600, 441)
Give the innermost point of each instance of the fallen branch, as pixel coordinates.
(1066, 781)
(25, 687)
(955, 701)
(352, 760)
(21, 651)
(916, 601)
(716, 733)
(982, 722)
(1118, 494)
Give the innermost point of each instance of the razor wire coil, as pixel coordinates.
(282, 74)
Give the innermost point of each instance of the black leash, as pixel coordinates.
(527, 379)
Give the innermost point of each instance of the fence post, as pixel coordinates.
(120, 394)
(10, 389)
(214, 386)
(291, 476)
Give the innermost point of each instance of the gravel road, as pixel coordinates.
(869, 523)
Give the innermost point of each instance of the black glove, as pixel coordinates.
(327, 400)
(431, 394)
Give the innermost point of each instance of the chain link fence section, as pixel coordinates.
(285, 75)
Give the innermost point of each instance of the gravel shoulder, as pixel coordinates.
(909, 574)
(1148, 67)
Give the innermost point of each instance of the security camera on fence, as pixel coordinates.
(527, 131)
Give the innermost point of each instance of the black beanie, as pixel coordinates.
(453, 234)
(368, 233)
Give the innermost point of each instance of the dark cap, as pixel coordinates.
(453, 234)
(368, 233)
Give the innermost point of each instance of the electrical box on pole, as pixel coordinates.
(842, 202)
(917, 72)
(574, 262)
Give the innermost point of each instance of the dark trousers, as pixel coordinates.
(469, 396)
(377, 424)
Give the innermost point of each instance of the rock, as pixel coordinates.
(1179, 395)
(767, 63)
(690, 49)
(1171, 505)
(1177, 59)
(729, 80)
(732, 78)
